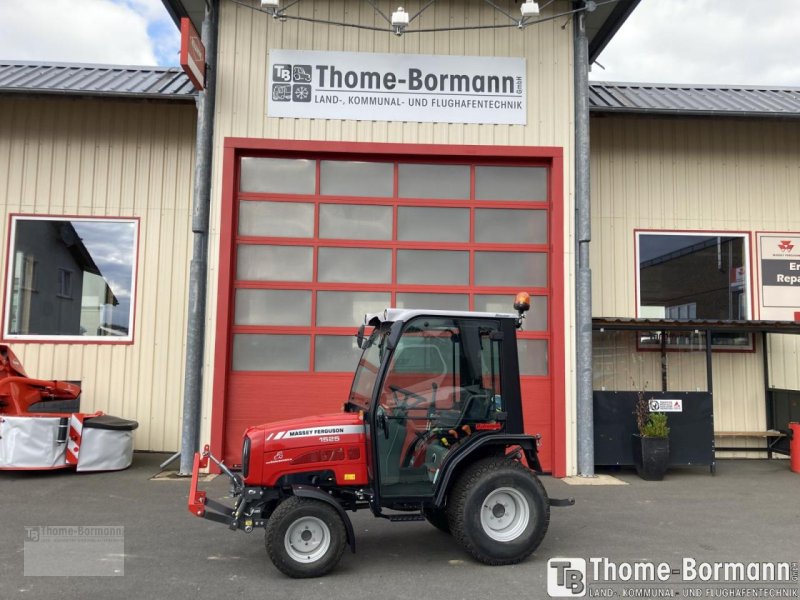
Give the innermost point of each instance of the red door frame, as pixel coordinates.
(554, 156)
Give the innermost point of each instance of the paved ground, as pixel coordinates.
(749, 511)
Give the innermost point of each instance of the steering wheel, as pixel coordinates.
(406, 402)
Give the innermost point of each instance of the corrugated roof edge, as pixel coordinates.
(102, 80)
(682, 99)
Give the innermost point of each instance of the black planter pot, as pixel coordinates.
(651, 457)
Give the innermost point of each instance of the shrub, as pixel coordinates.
(656, 426)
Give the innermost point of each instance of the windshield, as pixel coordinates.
(367, 369)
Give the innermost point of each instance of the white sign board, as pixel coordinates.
(396, 87)
(665, 405)
(779, 276)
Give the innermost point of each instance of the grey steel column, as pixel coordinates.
(583, 234)
(198, 270)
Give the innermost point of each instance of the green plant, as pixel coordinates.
(656, 426)
(649, 424)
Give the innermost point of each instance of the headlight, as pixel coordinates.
(245, 456)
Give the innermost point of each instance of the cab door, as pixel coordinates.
(435, 386)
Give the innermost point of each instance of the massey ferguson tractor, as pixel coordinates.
(431, 430)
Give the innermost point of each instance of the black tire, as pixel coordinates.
(288, 555)
(498, 479)
(438, 518)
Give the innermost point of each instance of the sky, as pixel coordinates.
(744, 42)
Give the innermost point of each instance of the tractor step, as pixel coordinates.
(411, 517)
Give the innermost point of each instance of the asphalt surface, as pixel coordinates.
(749, 511)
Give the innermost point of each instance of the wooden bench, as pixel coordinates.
(773, 436)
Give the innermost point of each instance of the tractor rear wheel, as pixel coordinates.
(305, 537)
(437, 517)
(498, 511)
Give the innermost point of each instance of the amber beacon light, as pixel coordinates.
(522, 304)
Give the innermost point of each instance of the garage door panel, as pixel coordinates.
(317, 241)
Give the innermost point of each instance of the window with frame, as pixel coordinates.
(694, 276)
(70, 279)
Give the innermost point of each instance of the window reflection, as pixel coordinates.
(71, 278)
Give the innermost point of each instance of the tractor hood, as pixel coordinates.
(307, 429)
(303, 450)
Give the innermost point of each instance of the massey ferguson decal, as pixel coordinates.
(396, 87)
(779, 261)
(320, 431)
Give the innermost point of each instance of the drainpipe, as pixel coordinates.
(583, 234)
(198, 270)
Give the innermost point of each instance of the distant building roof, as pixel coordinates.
(163, 83)
(700, 100)
(171, 83)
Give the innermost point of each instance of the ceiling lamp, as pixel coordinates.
(529, 9)
(400, 20)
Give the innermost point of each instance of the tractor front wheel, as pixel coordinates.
(498, 511)
(305, 537)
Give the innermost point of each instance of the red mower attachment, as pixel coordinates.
(41, 426)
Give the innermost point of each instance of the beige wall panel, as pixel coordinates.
(784, 361)
(108, 158)
(695, 174)
(246, 36)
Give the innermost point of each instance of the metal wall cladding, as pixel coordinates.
(246, 36)
(108, 158)
(737, 175)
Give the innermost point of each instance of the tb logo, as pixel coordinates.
(566, 577)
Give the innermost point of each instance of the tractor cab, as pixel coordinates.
(431, 384)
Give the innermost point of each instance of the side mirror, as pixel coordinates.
(360, 337)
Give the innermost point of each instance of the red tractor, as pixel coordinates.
(432, 429)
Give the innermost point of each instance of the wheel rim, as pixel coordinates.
(505, 514)
(307, 539)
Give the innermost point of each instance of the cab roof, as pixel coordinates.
(391, 315)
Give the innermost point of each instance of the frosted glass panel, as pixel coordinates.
(358, 265)
(536, 319)
(278, 175)
(532, 357)
(433, 224)
(347, 178)
(434, 181)
(273, 307)
(347, 309)
(336, 353)
(525, 269)
(436, 267)
(276, 219)
(274, 263)
(355, 222)
(257, 352)
(433, 301)
(510, 183)
(511, 226)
